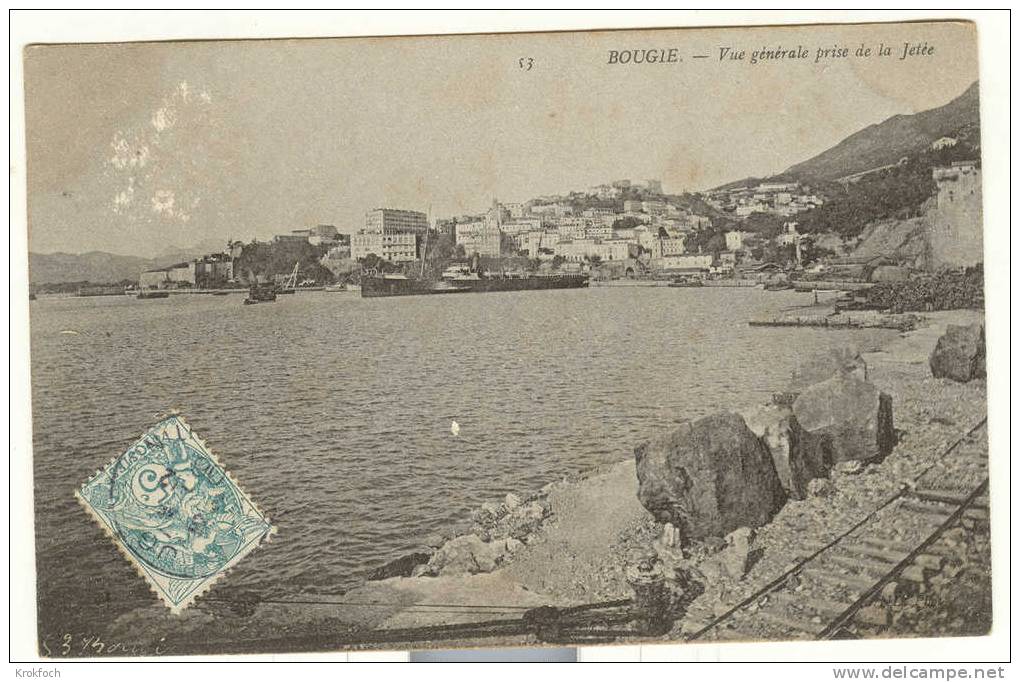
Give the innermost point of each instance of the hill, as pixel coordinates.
(883, 143)
(889, 141)
(97, 267)
(100, 267)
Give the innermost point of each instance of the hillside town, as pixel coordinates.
(620, 230)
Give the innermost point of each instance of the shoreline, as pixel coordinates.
(590, 523)
(597, 552)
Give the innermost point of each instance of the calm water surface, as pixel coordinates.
(334, 412)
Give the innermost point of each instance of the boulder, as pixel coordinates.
(435, 540)
(708, 477)
(512, 545)
(850, 418)
(960, 353)
(819, 367)
(520, 521)
(671, 536)
(401, 567)
(736, 556)
(466, 554)
(791, 449)
(732, 561)
(850, 467)
(511, 502)
(820, 487)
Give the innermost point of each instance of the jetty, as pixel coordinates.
(864, 319)
(830, 285)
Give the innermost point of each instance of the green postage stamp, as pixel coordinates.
(174, 512)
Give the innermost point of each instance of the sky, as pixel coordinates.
(143, 148)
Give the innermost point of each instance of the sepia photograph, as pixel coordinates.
(500, 340)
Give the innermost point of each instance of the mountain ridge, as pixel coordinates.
(883, 143)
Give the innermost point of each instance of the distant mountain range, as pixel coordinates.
(884, 143)
(102, 267)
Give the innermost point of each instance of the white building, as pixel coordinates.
(673, 246)
(516, 209)
(396, 221)
(572, 228)
(539, 243)
(598, 230)
(481, 237)
(654, 207)
(397, 248)
(579, 250)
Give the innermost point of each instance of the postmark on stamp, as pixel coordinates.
(174, 512)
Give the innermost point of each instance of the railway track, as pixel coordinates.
(899, 546)
(822, 596)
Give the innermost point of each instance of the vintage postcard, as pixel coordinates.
(508, 340)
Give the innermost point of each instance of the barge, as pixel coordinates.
(375, 286)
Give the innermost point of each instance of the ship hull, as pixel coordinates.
(375, 287)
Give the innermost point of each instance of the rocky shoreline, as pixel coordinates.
(570, 543)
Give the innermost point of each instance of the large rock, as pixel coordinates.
(466, 554)
(519, 522)
(822, 366)
(709, 477)
(793, 451)
(851, 419)
(960, 353)
(401, 567)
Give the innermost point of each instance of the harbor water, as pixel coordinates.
(334, 412)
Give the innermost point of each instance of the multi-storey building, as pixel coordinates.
(654, 207)
(520, 225)
(578, 250)
(211, 271)
(397, 248)
(572, 228)
(396, 221)
(481, 237)
(598, 230)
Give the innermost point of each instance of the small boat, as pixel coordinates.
(260, 294)
(334, 287)
(153, 293)
(220, 293)
(777, 286)
(686, 282)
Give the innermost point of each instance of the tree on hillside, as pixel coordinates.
(767, 225)
(626, 223)
(440, 247)
(374, 262)
(268, 259)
